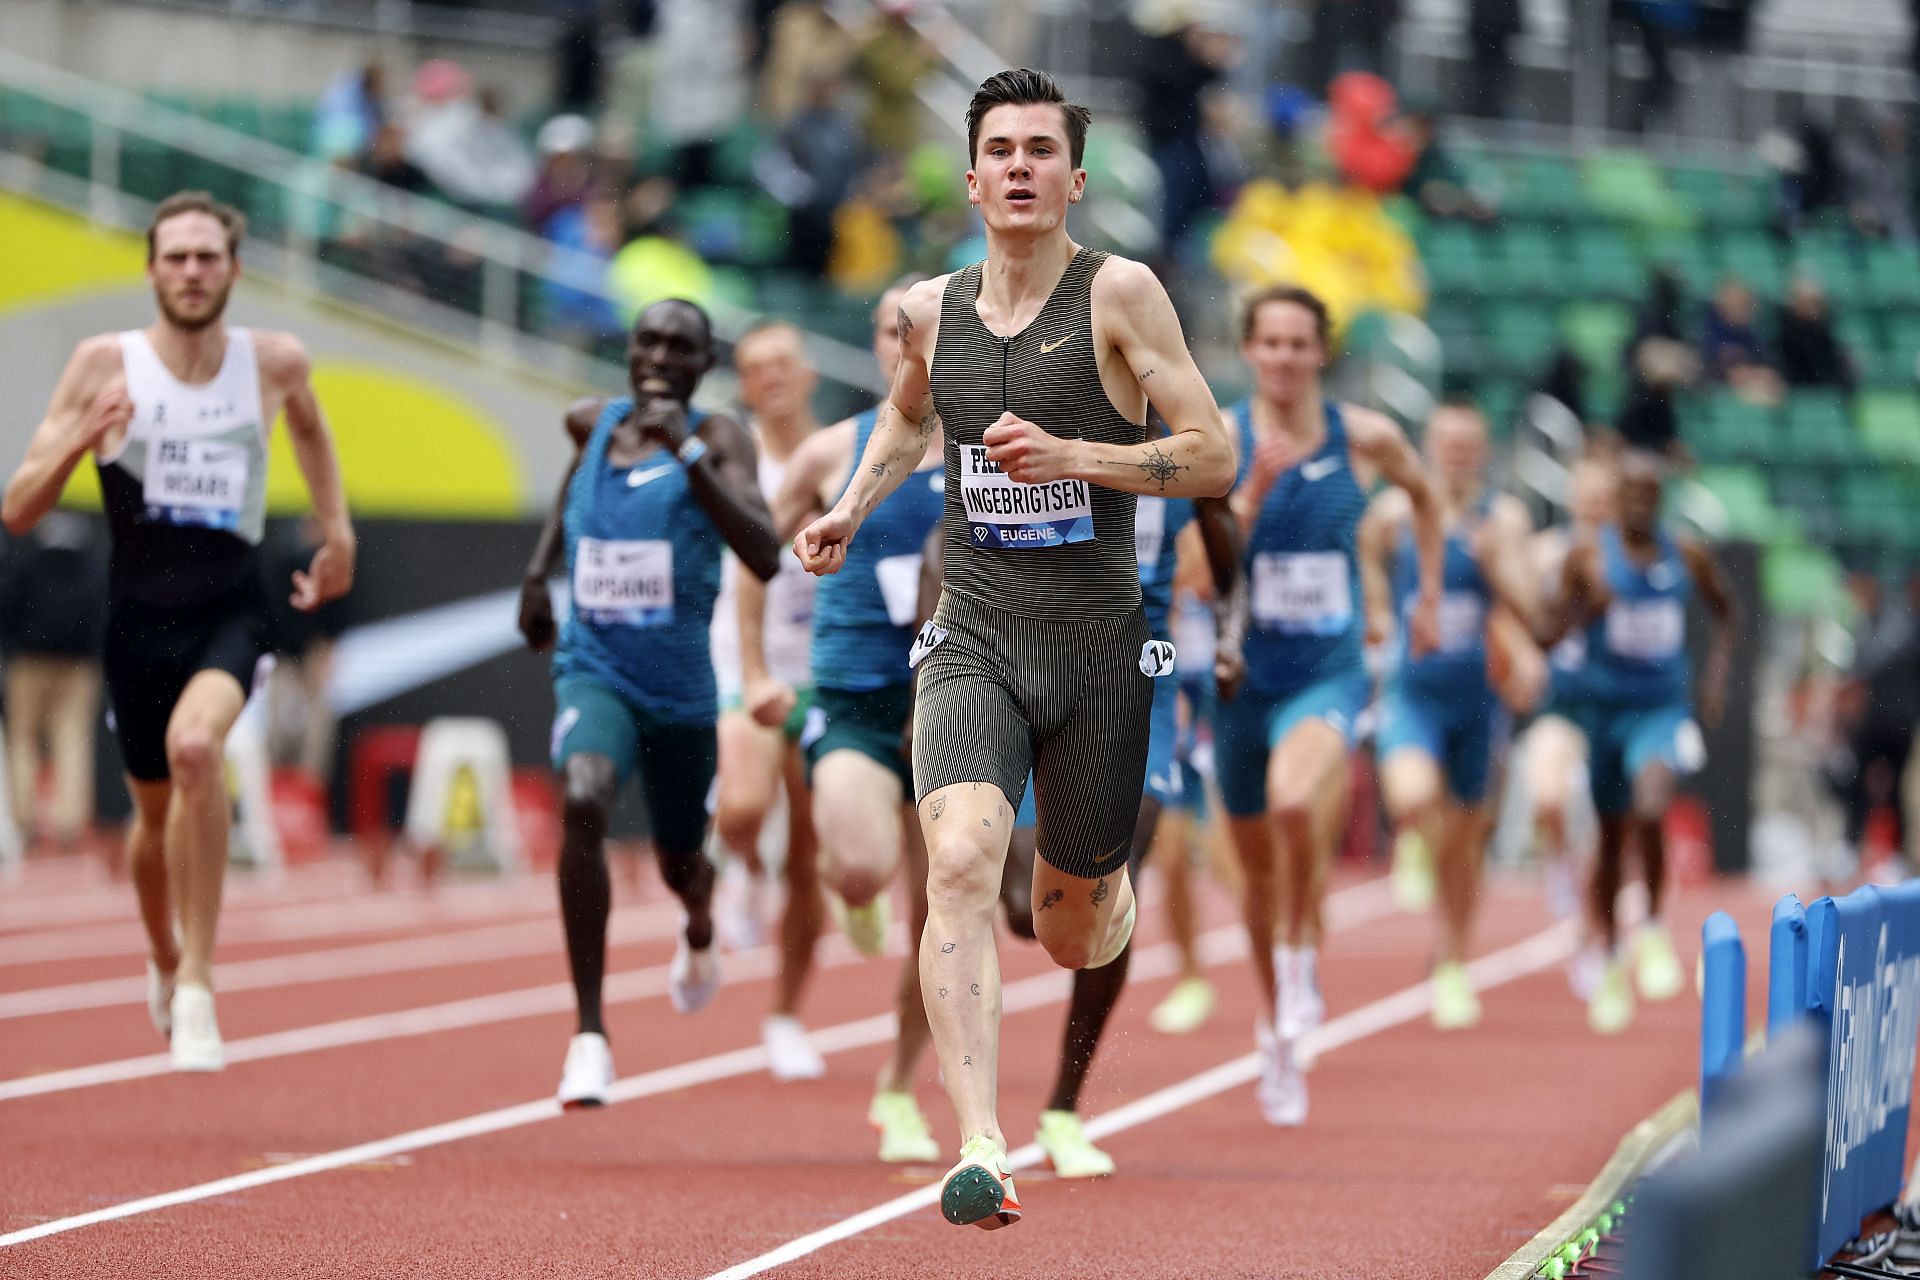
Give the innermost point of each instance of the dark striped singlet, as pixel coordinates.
(1046, 566)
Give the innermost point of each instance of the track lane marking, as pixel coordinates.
(1497, 969)
(1347, 908)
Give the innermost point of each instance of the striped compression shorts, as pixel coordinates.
(1002, 694)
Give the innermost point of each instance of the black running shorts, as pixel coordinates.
(1002, 694)
(153, 651)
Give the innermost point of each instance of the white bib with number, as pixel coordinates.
(196, 482)
(1302, 593)
(1462, 619)
(1149, 534)
(1003, 512)
(1646, 630)
(899, 578)
(622, 583)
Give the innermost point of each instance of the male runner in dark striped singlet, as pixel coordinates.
(1039, 362)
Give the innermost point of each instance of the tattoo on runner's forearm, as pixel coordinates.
(1160, 466)
(878, 469)
(903, 324)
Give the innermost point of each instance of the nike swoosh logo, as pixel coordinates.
(637, 478)
(1320, 470)
(1046, 348)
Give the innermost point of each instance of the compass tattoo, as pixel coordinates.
(1160, 466)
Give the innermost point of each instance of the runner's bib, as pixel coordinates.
(623, 584)
(1149, 534)
(196, 482)
(1646, 630)
(1003, 512)
(1302, 593)
(1462, 618)
(899, 578)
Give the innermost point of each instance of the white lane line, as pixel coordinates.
(1536, 953)
(1345, 909)
(335, 919)
(406, 955)
(37, 905)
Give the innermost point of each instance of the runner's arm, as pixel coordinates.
(1573, 603)
(89, 403)
(283, 358)
(1220, 536)
(907, 417)
(1374, 544)
(1379, 440)
(536, 602)
(1195, 458)
(802, 496)
(727, 488)
(1724, 611)
(1502, 547)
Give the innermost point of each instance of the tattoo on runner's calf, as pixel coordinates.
(939, 807)
(946, 948)
(976, 988)
(1099, 893)
(1052, 896)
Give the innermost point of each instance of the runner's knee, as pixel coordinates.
(193, 755)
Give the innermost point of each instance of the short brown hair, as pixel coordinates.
(230, 218)
(1299, 297)
(1023, 88)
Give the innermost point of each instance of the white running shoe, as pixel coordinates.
(1300, 1008)
(790, 1055)
(693, 977)
(1584, 970)
(160, 998)
(1282, 1090)
(588, 1075)
(739, 906)
(195, 1044)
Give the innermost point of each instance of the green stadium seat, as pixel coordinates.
(1520, 338)
(1597, 332)
(1457, 324)
(1754, 259)
(1743, 492)
(1741, 429)
(1818, 429)
(1605, 265)
(1889, 423)
(1625, 186)
(1798, 580)
(1891, 279)
(1720, 197)
(1534, 262)
(1543, 188)
(1451, 253)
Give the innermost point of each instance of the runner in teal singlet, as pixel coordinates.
(1442, 727)
(656, 493)
(1293, 674)
(1629, 588)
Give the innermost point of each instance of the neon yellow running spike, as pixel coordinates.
(1068, 1149)
(905, 1137)
(1455, 1004)
(1186, 1008)
(865, 926)
(1610, 1010)
(1656, 969)
(1413, 886)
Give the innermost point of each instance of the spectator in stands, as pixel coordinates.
(1660, 360)
(52, 620)
(803, 43)
(1810, 352)
(1731, 349)
(468, 150)
(566, 170)
(656, 262)
(1436, 182)
(700, 82)
(1186, 52)
(578, 311)
(350, 112)
(1490, 25)
(1662, 26)
(810, 168)
(576, 55)
(1350, 35)
(1879, 174)
(386, 162)
(891, 60)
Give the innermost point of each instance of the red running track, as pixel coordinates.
(388, 1108)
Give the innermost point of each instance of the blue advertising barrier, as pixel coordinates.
(1786, 966)
(1863, 990)
(1723, 1011)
